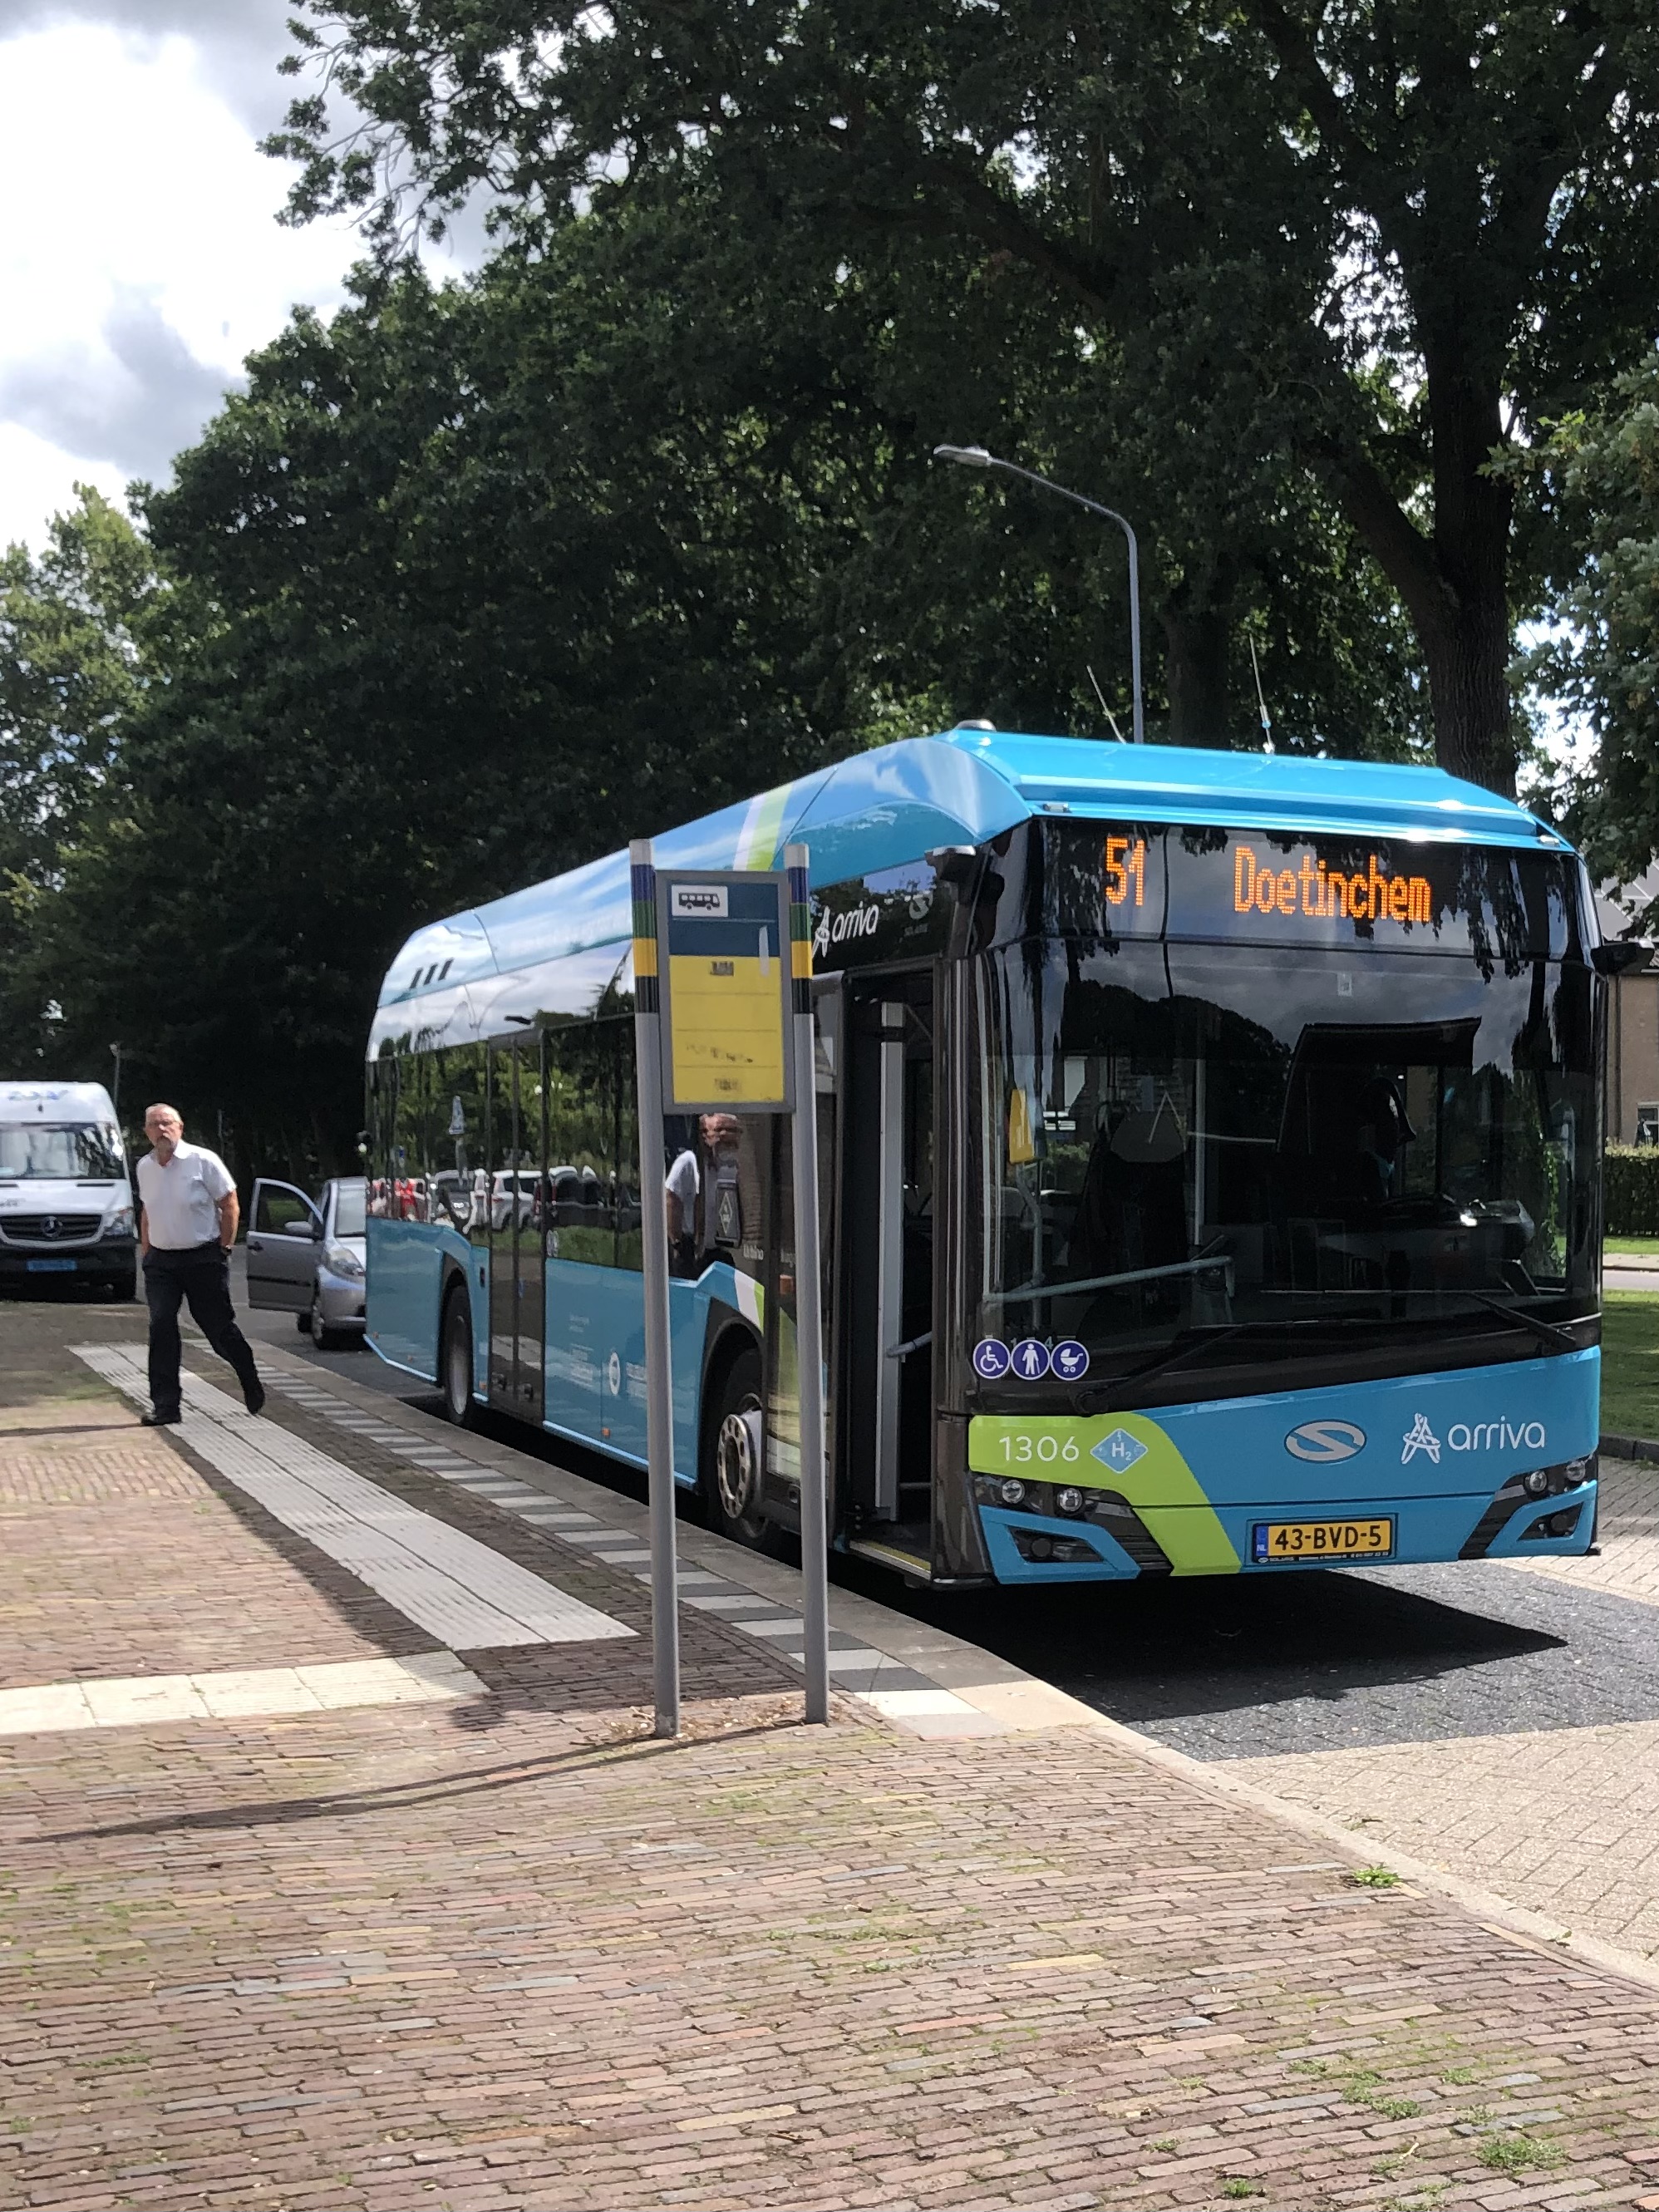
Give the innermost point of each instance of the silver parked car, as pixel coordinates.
(307, 1256)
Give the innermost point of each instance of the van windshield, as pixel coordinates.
(80, 1151)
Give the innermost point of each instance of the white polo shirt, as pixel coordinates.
(181, 1199)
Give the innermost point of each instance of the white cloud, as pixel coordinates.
(141, 259)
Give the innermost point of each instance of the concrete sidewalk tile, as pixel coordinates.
(255, 1690)
(371, 1681)
(38, 1710)
(132, 1702)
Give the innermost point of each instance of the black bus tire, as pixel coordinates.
(731, 1453)
(455, 1358)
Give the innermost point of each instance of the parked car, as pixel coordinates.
(308, 1257)
(65, 1196)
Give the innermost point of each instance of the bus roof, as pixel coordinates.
(881, 809)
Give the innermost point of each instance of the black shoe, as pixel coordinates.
(254, 1396)
(160, 1420)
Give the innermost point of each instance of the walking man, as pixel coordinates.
(186, 1234)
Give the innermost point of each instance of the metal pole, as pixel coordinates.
(976, 457)
(809, 1314)
(1135, 625)
(653, 1228)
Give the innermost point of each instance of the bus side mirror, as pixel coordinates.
(1620, 958)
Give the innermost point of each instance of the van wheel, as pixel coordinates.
(733, 1447)
(456, 1360)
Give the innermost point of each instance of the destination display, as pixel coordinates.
(1131, 880)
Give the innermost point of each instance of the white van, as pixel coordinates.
(65, 1193)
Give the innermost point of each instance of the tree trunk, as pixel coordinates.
(1455, 583)
(1469, 660)
(1196, 640)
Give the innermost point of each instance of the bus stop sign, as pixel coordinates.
(723, 968)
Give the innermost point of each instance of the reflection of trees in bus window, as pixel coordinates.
(409, 1163)
(586, 1140)
(457, 1121)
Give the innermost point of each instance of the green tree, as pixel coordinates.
(1402, 235)
(1601, 474)
(71, 675)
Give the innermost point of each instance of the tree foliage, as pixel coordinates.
(71, 678)
(1382, 238)
(1600, 474)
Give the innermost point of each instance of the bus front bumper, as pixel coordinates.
(1047, 1535)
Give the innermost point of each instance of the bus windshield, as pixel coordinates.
(1191, 1146)
(78, 1151)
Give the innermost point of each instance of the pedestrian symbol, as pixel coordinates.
(1030, 1359)
(1070, 1359)
(990, 1358)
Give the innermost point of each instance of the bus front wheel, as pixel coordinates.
(457, 1360)
(734, 1455)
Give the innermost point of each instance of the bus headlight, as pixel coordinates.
(1537, 1482)
(1069, 1501)
(1012, 1491)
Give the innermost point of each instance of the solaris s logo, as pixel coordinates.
(1324, 1441)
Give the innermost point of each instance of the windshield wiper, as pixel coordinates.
(1188, 1348)
(1547, 1332)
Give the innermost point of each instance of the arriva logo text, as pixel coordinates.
(835, 929)
(1501, 1435)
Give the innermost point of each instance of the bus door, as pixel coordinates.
(516, 1228)
(885, 1441)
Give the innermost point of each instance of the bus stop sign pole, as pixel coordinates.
(809, 1318)
(654, 1231)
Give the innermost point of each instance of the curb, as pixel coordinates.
(1629, 1447)
(1012, 1701)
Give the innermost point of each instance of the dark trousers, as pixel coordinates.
(201, 1274)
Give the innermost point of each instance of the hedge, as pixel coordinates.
(1632, 1190)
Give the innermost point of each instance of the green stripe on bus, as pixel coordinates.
(1159, 1485)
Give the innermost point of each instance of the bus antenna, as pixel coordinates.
(1261, 697)
(1104, 709)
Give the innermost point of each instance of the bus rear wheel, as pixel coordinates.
(734, 1459)
(455, 1359)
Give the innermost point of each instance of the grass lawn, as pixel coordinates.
(1646, 1248)
(1630, 1363)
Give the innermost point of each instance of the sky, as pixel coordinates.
(141, 259)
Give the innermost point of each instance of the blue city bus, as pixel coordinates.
(1210, 1149)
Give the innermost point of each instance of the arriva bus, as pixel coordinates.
(1210, 1149)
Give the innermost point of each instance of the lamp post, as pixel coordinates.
(976, 456)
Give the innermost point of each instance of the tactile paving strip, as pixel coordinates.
(443, 1580)
(885, 1683)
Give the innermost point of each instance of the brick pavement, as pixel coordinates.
(1564, 1819)
(1629, 1564)
(505, 1952)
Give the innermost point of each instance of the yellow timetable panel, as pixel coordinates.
(727, 999)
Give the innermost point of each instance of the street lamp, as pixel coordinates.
(976, 456)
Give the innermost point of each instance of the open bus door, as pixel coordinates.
(884, 1436)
